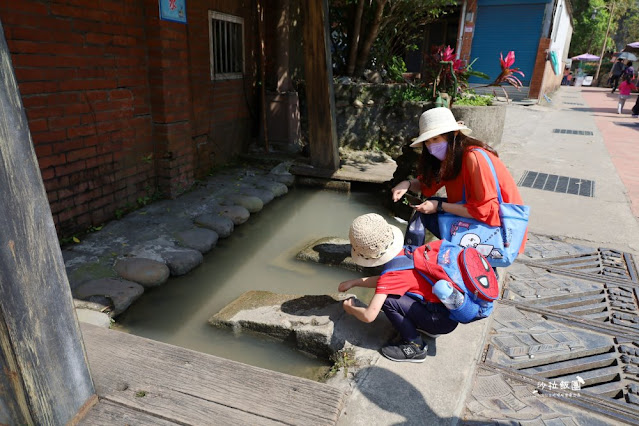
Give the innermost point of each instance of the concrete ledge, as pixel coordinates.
(486, 122)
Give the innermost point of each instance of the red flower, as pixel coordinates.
(448, 54)
(508, 74)
(510, 59)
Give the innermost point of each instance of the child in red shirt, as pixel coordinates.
(625, 88)
(404, 296)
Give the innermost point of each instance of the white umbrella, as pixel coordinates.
(628, 56)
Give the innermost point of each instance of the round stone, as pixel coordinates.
(222, 225)
(149, 273)
(121, 292)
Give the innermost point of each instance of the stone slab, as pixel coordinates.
(316, 323)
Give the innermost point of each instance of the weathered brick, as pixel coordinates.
(80, 154)
(51, 160)
(66, 169)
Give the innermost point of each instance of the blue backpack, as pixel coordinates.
(464, 267)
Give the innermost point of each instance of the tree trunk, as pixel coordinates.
(354, 42)
(362, 57)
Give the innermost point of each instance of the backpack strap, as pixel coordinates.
(402, 263)
(492, 169)
(398, 263)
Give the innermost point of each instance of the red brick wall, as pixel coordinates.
(120, 104)
(540, 69)
(82, 71)
(222, 121)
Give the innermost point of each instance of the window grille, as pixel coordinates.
(226, 39)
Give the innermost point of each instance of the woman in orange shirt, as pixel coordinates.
(447, 160)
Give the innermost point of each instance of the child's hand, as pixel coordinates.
(345, 285)
(349, 306)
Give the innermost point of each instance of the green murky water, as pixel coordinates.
(259, 255)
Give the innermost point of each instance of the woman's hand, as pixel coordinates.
(427, 207)
(400, 189)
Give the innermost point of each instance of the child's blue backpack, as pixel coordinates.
(464, 267)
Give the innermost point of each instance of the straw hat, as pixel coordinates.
(437, 121)
(373, 241)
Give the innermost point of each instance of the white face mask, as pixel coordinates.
(438, 149)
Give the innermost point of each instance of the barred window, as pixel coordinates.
(226, 40)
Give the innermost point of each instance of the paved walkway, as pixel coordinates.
(620, 133)
(568, 307)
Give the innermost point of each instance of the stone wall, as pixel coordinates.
(366, 121)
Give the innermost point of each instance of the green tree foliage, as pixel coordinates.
(369, 33)
(590, 21)
(628, 27)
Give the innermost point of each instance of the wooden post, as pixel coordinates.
(320, 98)
(44, 376)
(260, 26)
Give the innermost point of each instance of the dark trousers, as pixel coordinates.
(635, 109)
(407, 315)
(614, 82)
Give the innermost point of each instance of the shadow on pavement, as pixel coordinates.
(631, 125)
(393, 394)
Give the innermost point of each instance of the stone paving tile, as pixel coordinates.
(620, 140)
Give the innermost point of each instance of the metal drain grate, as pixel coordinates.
(556, 356)
(567, 327)
(555, 183)
(573, 103)
(589, 301)
(606, 262)
(573, 132)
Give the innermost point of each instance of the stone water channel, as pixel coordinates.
(259, 254)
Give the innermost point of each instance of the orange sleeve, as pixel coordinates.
(481, 191)
(429, 191)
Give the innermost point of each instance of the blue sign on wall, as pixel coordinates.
(173, 10)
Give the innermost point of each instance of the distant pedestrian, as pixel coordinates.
(625, 88)
(616, 72)
(565, 81)
(635, 109)
(629, 71)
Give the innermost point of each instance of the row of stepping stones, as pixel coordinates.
(109, 269)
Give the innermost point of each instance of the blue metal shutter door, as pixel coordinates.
(500, 29)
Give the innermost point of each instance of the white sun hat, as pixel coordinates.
(437, 121)
(373, 241)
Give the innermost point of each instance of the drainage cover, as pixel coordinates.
(573, 103)
(603, 262)
(595, 369)
(564, 341)
(602, 304)
(573, 132)
(556, 183)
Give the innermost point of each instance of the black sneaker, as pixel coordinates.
(405, 352)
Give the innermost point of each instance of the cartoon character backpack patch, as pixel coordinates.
(465, 268)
